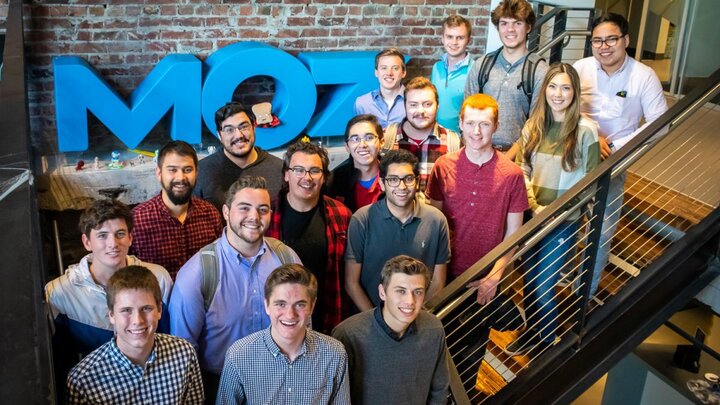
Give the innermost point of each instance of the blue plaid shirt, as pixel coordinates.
(257, 372)
(171, 375)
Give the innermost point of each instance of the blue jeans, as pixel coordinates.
(613, 207)
(545, 262)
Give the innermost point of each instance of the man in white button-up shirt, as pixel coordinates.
(617, 92)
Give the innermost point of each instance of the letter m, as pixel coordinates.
(174, 84)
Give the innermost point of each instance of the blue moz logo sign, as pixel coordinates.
(192, 91)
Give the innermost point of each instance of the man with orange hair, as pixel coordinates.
(482, 194)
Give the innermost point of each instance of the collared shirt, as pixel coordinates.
(170, 376)
(476, 201)
(503, 85)
(373, 103)
(332, 295)
(377, 313)
(159, 237)
(78, 306)
(376, 235)
(428, 151)
(450, 84)
(236, 310)
(257, 372)
(617, 102)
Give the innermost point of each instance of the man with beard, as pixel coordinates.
(419, 132)
(218, 296)
(393, 226)
(239, 156)
(315, 226)
(174, 225)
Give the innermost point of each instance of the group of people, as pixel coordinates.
(228, 285)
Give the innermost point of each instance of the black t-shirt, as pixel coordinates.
(304, 232)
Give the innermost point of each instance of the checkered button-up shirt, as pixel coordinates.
(106, 376)
(428, 151)
(257, 372)
(160, 238)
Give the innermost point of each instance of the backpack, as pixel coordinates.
(529, 67)
(211, 271)
(390, 138)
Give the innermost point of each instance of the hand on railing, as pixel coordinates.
(486, 288)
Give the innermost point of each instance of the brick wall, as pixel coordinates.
(124, 39)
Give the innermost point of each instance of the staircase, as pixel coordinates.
(664, 252)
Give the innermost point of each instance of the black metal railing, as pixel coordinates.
(551, 34)
(669, 171)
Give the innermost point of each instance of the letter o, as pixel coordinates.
(295, 92)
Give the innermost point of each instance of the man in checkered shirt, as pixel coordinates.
(286, 363)
(138, 366)
(172, 226)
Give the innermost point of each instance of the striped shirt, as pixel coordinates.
(257, 372)
(171, 375)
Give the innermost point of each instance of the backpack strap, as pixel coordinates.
(281, 250)
(210, 273)
(390, 137)
(486, 66)
(529, 68)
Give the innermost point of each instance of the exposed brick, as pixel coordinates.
(176, 34)
(300, 21)
(125, 39)
(287, 33)
(250, 33)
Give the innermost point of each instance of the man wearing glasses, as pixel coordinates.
(355, 182)
(396, 225)
(314, 226)
(239, 156)
(617, 92)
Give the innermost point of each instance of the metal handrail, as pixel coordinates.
(455, 294)
(561, 37)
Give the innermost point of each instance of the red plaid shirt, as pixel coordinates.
(427, 152)
(335, 301)
(160, 238)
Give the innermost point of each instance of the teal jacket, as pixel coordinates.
(450, 87)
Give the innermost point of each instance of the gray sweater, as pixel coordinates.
(383, 370)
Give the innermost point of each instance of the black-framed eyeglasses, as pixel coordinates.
(394, 181)
(244, 129)
(368, 138)
(609, 41)
(300, 171)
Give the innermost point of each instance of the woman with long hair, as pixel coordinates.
(557, 148)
